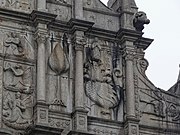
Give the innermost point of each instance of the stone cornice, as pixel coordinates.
(79, 133)
(42, 17)
(106, 34)
(143, 43)
(16, 16)
(43, 128)
(128, 35)
(80, 25)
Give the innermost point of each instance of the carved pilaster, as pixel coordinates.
(78, 9)
(41, 67)
(41, 5)
(129, 54)
(79, 43)
(80, 120)
(1, 90)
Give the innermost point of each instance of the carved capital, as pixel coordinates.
(41, 38)
(129, 54)
(79, 44)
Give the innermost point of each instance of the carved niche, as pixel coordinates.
(103, 86)
(59, 65)
(20, 5)
(18, 45)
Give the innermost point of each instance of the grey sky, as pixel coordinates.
(164, 53)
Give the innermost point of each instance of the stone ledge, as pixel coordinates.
(39, 129)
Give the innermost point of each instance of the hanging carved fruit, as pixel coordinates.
(58, 60)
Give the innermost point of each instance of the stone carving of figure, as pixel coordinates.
(139, 20)
(13, 110)
(21, 77)
(18, 45)
(14, 41)
(99, 83)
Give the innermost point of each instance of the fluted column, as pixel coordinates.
(41, 68)
(131, 123)
(79, 81)
(130, 93)
(41, 5)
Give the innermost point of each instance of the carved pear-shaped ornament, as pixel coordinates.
(58, 60)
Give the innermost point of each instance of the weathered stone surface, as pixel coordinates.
(75, 67)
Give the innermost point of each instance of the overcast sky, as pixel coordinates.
(164, 53)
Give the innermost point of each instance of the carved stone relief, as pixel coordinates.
(139, 20)
(59, 65)
(102, 21)
(21, 5)
(17, 110)
(101, 82)
(18, 77)
(18, 45)
(63, 12)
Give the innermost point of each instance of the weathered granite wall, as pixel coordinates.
(75, 67)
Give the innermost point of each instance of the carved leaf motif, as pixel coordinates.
(58, 61)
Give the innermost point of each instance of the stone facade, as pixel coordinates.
(77, 67)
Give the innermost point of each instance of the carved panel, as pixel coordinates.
(102, 81)
(19, 45)
(17, 110)
(18, 77)
(59, 123)
(101, 129)
(63, 12)
(107, 22)
(58, 72)
(19, 5)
